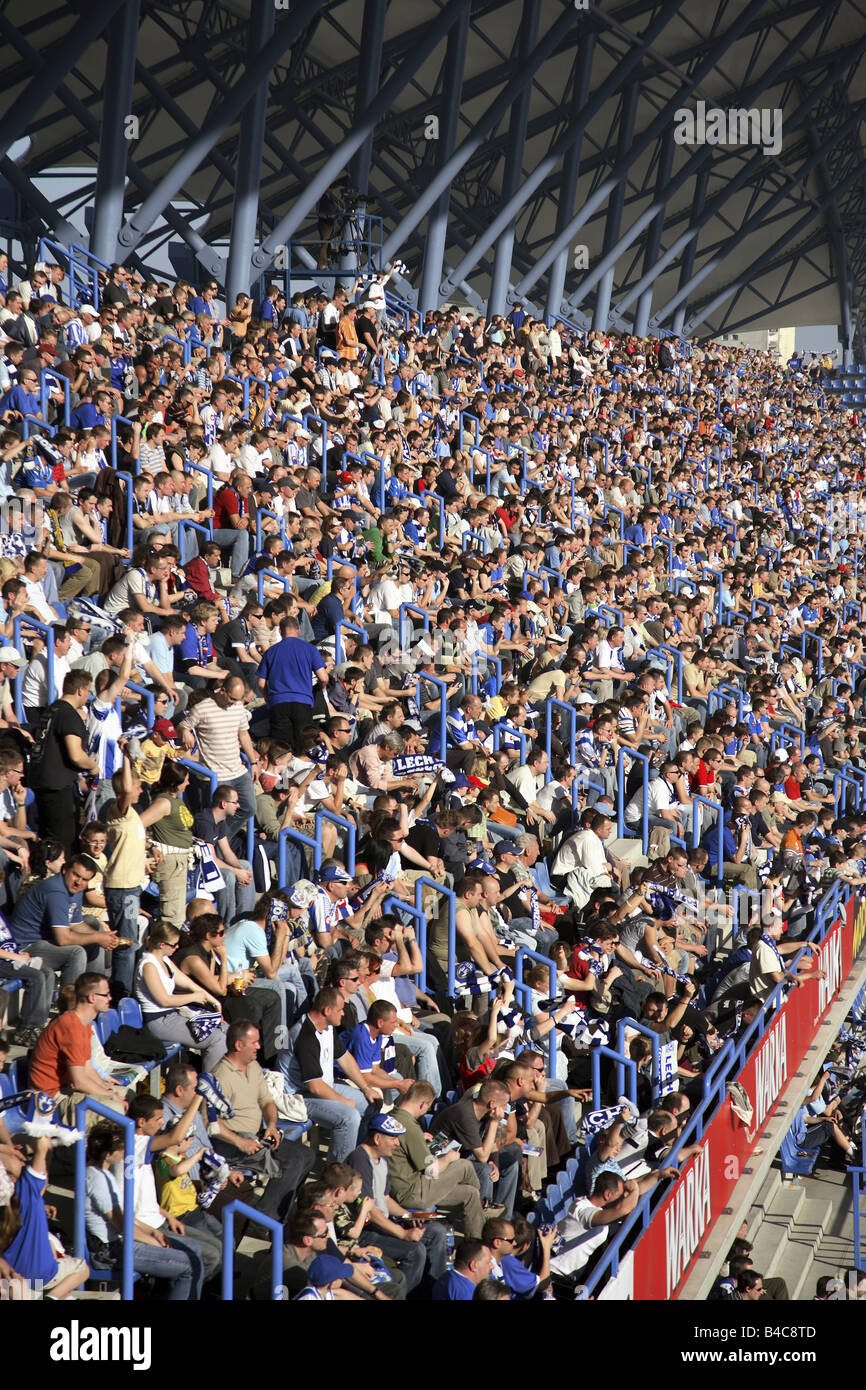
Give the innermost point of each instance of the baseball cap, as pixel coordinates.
(335, 873)
(88, 309)
(584, 698)
(504, 847)
(780, 755)
(12, 655)
(385, 1124)
(325, 1269)
(166, 728)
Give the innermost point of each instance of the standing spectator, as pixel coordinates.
(286, 680)
(54, 773)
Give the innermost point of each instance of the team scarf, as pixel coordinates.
(386, 875)
(582, 1029)
(416, 765)
(597, 966)
(654, 965)
(300, 935)
(470, 979)
(774, 948)
(597, 1121)
(663, 896)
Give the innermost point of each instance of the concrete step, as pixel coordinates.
(777, 1227)
(796, 1258)
(764, 1200)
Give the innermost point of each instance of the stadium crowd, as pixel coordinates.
(359, 649)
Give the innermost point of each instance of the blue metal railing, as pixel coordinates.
(91, 1106)
(276, 1229)
(451, 898)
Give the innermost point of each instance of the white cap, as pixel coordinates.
(781, 755)
(88, 309)
(12, 655)
(584, 698)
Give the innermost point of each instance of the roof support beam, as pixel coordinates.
(449, 121)
(486, 123)
(88, 29)
(248, 162)
(570, 172)
(615, 206)
(369, 69)
(654, 235)
(221, 118)
(769, 205)
(513, 160)
(114, 141)
(750, 167)
(659, 127)
(425, 44)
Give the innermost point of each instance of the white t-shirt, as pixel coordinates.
(146, 1203)
(579, 1238)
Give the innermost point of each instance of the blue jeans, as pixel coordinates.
(344, 1121)
(236, 899)
(243, 785)
(123, 908)
(425, 1049)
(239, 543)
(411, 1256)
(504, 1190)
(181, 1264)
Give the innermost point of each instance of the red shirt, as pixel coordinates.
(793, 788)
(199, 577)
(227, 504)
(65, 1043)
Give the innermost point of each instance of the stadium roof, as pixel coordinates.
(563, 117)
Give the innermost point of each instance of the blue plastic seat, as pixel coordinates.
(106, 1024)
(129, 1011)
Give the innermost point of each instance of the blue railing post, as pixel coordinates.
(338, 637)
(697, 802)
(80, 1237)
(643, 758)
(351, 832)
(299, 838)
(276, 1230)
(451, 897)
(548, 732)
(48, 633)
(523, 953)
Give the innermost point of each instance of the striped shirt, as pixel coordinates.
(218, 732)
(103, 731)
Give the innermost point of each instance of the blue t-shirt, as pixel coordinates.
(365, 1051)
(328, 613)
(30, 1253)
(195, 649)
(85, 416)
(47, 904)
(288, 668)
(520, 1280)
(17, 398)
(452, 1287)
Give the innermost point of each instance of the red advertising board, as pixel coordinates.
(664, 1257)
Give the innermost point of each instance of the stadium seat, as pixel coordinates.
(129, 1011)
